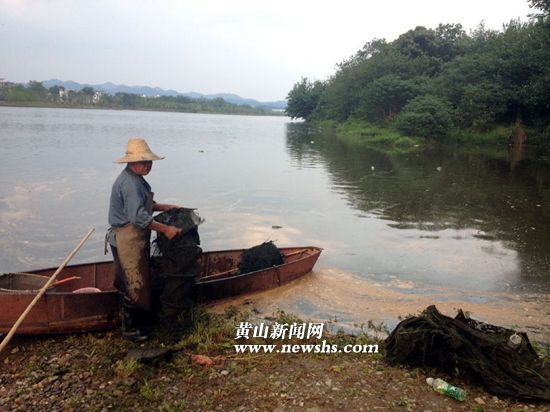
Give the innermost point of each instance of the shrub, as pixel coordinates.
(425, 116)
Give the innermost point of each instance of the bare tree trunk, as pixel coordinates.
(518, 138)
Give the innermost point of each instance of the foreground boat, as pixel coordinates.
(84, 298)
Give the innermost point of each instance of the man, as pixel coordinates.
(131, 219)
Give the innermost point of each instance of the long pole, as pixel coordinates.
(42, 291)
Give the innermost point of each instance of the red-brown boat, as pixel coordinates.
(83, 298)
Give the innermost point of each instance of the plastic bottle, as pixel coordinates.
(445, 388)
(514, 341)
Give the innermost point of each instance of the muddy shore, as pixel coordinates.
(329, 294)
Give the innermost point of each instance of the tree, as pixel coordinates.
(425, 116)
(54, 93)
(440, 78)
(417, 42)
(450, 41)
(87, 94)
(37, 89)
(128, 100)
(303, 99)
(19, 93)
(473, 86)
(482, 104)
(384, 97)
(88, 91)
(542, 5)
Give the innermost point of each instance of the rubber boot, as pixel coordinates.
(132, 322)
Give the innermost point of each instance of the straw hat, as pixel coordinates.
(138, 150)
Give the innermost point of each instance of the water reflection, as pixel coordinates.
(464, 215)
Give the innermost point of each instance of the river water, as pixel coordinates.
(447, 226)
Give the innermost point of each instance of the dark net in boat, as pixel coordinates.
(474, 350)
(260, 257)
(174, 262)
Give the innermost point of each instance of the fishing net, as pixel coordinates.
(473, 350)
(174, 262)
(260, 257)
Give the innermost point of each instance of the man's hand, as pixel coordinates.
(161, 207)
(171, 232)
(170, 207)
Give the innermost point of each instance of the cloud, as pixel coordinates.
(255, 49)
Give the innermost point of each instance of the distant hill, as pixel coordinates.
(112, 88)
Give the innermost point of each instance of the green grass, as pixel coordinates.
(215, 333)
(354, 132)
(359, 133)
(124, 368)
(209, 332)
(499, 135)
(150, 392)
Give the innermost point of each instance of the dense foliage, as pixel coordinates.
(431, 82)
(425, 115)
(35, 93)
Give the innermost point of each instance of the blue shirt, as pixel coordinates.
(129, 202)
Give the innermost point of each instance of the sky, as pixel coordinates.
(256, 49)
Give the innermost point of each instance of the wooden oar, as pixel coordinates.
(42, 291)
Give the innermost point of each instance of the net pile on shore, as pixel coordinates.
(174, 262)
(473, 350)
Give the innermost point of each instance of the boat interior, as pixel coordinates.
(100, 275)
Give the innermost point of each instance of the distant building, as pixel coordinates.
(4, 83)
(97, 97)
(63, 94)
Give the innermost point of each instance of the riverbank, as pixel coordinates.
(53, 105)
(356, 133)
(92, 372)
(351, 301)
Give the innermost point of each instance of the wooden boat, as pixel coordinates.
(84, 298)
